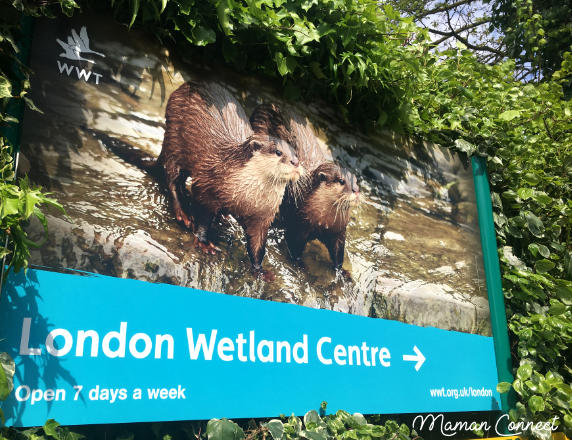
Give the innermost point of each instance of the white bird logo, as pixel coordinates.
(77, 45)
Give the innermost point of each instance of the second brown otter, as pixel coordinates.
(318, 205)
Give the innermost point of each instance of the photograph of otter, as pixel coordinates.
(182, 171)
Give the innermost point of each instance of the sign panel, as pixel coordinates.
(127, 350)
(348, 268)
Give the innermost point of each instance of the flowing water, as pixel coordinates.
(413, 244)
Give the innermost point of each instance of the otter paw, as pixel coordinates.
(208, 247)
(213, 249)
(183, 218)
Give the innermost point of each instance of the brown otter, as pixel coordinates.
(233, 170)
(316, 206)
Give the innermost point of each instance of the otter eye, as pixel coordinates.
(341, 181)
(278, 153)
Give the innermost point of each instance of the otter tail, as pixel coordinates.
(127, 152)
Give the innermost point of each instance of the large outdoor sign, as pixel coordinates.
(270, 259)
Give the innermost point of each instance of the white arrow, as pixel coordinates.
(418, 356)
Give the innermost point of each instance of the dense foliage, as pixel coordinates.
(356, 55)
(339, 426)
(380, 71)
(537, 32)
(18, 200)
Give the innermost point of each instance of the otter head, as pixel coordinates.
(268, 119)
(336, 183)
(333, 190)
(274, 158)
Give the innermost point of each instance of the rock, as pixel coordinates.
(393, 236)
(430, 305)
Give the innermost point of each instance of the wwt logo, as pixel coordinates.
(76, 46)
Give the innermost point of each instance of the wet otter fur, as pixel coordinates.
(233, 170)
(318, 205)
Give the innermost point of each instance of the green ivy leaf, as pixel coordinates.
(517, 385)
(504, 387)
(536, 249)
(544, 265)
(203, 36)
(68, 6)
(509, 257)
(223, 13)
(543, 250)
(524, 372)
(5, 87)
(556, 308)
(536, 404)
(313, 435)
(532, 178)
(276, 428)
(541, 198)
(281, 63)
(291, 63)
(224, 429)
(509, 115)
(563, 291)
(7, 369)
(307, 4)
(534, 224)
(295, 423)
(10, 206)
(50, 428)
(509, 195)
(359, 418)
(533, 249)
(525, 193)
(465, 147)
(312, 417)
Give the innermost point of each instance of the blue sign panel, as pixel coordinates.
(96, 349)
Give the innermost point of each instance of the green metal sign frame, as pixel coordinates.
(493, 277)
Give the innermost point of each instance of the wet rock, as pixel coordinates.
(389, 235)
(430, 305)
